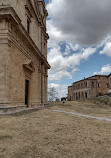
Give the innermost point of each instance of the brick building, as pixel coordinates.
(23, 52)
(90, 87)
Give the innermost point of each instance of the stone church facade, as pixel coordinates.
(23, 52)
(90, 87)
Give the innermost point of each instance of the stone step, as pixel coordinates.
(17, 110)
(9, 108)
(20, 112)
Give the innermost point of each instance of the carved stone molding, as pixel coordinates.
(29, 66)
(19, 34)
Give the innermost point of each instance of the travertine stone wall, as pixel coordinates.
(16, 79)
(18, 6)
(4, 49)
(16, 76)
(102, 81)
(24, 13)
(22, 54)
(3, 69)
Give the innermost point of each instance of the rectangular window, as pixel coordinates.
(98, 85)
(107, 85)
(86, 84)
(28, 25)
(81, 85)
(92, 84)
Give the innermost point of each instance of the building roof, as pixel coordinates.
(91, 78)
(84, 80)
(69, 86)
(99, 76)
(109, 75)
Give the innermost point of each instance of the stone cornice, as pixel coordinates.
(43, 3)
(8, 12)
(31, 8)
(29, 65)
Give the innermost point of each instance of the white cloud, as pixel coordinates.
(86, 23)
(79, 28)
(53, 31)
(57, 76)
(105, 69)
(71, 47)
(107, 49)
(65, 66)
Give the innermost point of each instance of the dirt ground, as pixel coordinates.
(46, 134)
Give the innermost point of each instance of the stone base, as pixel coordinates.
(15, 110)
(4, 109)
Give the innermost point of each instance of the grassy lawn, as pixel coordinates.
(86, 107)
(46, 134)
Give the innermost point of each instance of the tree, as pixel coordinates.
(52, 93)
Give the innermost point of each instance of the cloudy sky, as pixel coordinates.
(80, 40)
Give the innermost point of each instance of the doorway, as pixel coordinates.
(26, 92)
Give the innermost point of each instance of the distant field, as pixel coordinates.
(87, 107)
(46, 134)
